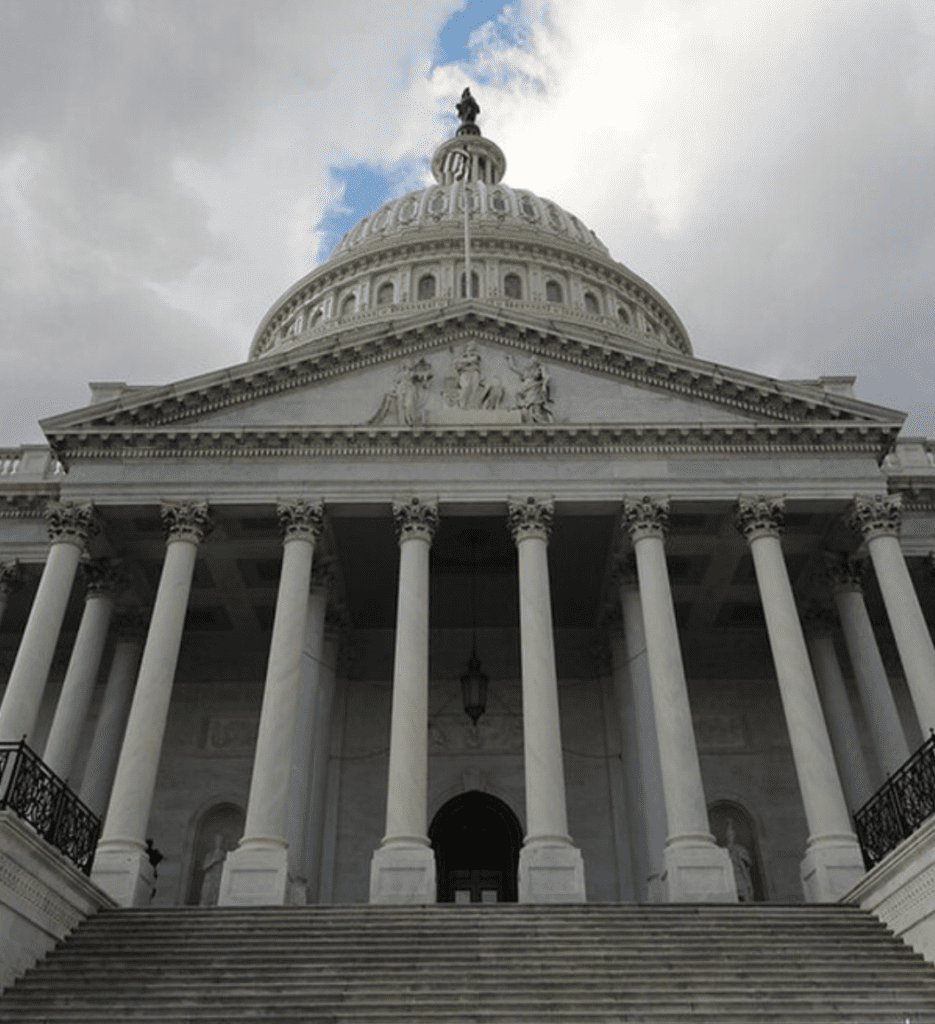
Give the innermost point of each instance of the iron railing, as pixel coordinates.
(38, 796)
(896, 810)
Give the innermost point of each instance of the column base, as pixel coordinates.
(831, 867)
(125, 874)
(697, 870)
(403, 874)
(551, 871)
(255, 876)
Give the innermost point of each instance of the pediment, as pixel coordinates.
(474, 376)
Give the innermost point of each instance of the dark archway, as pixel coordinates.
(476, 839)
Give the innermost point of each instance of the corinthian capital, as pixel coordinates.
(646, 517)
(820, 621)
(530, 517)
(103, 577)
(876, 515)
(757, 517)
(186, 520)
(301, 520)
(69, 523)
(415, 518)
(12, 578)
(844, 573)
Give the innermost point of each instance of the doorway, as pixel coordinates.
(476, 839)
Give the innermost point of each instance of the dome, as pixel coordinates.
(527, 255)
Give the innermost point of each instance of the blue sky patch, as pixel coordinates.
(452, 46)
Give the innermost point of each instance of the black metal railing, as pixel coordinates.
(38, 796)
(896, 810)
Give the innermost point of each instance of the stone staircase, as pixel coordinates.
(479, 964)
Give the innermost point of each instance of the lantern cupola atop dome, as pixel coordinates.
(468, 156)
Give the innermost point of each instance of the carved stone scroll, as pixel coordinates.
(646, 517)
(760, 517)
(876, 515)
(414, 517)
(301, 520)
(186, 520)
(69, 523)
(530, 517)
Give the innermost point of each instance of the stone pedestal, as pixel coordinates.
(256, 876)
(697, 870)
(831, 867)
(551, 872)
(125, 874)
(403, 872)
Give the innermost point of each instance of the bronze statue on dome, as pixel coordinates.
(468, 109)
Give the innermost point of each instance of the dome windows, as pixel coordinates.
(623, 314)
(527, 208)
(437, 203)
(591, 305)
(385, 294)
(553, 291)
(555, 220)
(408, 211)
(349, 305)
(498, 202)
(427, 286)
(513, 286)
(475, 286)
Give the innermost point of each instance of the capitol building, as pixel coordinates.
(474, 583)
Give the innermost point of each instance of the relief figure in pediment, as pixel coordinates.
(534, 395)
(404, 402)
(465, 387)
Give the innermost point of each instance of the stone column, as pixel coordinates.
(121, 867)
(832, 862)
(321, 748)
(11, 580)
(695, 869)
(403, 866)
(257, 872)
(111, 721)
(305, 731)
(845, 738)
(551, 868)
(104, 581)
(69, 525)
(877, 517)
(637, 669)
(892, 751)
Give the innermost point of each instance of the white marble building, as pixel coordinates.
(236, 609)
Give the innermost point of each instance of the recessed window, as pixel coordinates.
(385, 294)
(591, 305)
(498, 202)
(475, 286)
(438, 203)
(527, 208)
(623, 314)
(512, 286)
(553, 292)
(427, 287)
(315, 317)
(349, 305)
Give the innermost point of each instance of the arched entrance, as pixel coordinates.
(476, 839)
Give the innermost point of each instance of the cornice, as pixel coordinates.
(527, 439)
(664, 371)
(27, 506)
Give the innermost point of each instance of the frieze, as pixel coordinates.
(759, 516)
(876, 515)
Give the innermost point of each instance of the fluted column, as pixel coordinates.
(111, 721)
(257, 872)
(403, 866)
(68, 525)
(845, 576)
(121, 866)
(104, 580)
(696, 869)
(636, 671)
(551, 869)
(302, 753)
(877, 518)
(845, 738)
(11, 580)
(832, 862)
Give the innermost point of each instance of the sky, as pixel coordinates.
(169, 167)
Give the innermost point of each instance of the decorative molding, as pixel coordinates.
(530, 517)
(69, 522)
(876, 515)
(845, 574)
(186, 520)
(300, 520)
(645, 517)
(26, 506)
(12, 578)
(759, 516)
(103, 577)
(415, 518)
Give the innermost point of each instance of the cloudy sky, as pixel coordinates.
(169, 167)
